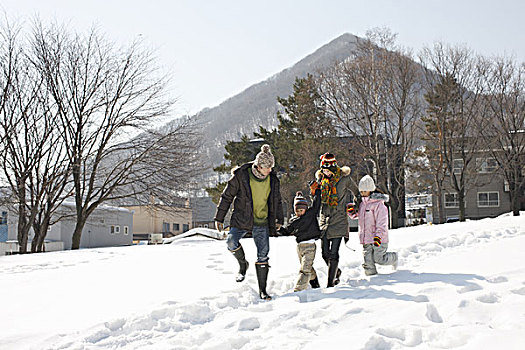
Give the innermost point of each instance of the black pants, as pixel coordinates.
(330, 247)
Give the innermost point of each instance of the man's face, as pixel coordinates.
(327, 172)
(264, 171)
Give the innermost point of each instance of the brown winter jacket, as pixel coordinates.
(239, 192)
(334, 221)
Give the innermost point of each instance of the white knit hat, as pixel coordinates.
(367, 184)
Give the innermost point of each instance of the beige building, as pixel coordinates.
(167, 220)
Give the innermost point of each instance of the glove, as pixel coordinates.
(219, 226)
(377, 241)
(351, 209)
(314, 185)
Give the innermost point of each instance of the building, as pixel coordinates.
(488, 196)
(203, 211)
(107, 226)
(418, 209)
(160, 219)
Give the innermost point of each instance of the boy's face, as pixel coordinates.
(300, 212)
(365, 193)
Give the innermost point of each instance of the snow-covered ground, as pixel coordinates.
(458, 286)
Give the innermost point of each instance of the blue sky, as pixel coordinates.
(216, 49)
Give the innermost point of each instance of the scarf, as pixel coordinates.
(257, 173)
(328, 190)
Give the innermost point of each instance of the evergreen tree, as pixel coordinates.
(304, 133)
(442, 100)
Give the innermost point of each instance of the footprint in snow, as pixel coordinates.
(520, 291)
(433, 314)
(498, 279)
(406, 337)
(377, 343)
(249, 324)
(490, 298)
(470, 288)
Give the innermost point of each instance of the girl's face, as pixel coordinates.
(365, 193)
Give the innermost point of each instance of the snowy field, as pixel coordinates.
(458, 286)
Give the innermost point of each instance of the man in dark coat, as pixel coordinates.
(257, 208)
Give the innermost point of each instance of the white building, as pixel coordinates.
(107, 226)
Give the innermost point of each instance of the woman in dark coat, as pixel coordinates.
(335, 195)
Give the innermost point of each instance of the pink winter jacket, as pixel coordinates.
(373, 218)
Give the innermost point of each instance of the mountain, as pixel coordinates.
(257, 105)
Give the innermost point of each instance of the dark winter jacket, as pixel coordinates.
(239, 192)
(305, 227)
(333, 221)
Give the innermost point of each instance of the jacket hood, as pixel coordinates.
(238, 167)
(345, 171)
(379, 196)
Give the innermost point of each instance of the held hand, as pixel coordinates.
(219, 226)
(377, 241)
(351, 210)
(278, 226)
(314, 185)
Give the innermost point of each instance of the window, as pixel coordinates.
(3, 218)
(458, 164)
(486, 165)
(451, 200)
(114, 229)
(126, 230)
(488, 199)
(165, 227)
(176, 227)
(185, 227)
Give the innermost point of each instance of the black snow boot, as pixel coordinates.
(337, 274)
(315, 283)
(243, 264)
(332, 271)
(262, 275)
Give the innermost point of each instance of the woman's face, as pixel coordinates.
(327, 172)
(365, 193)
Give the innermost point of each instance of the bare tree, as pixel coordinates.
(460, 75)
(25, 127)
(376, 99)
(506, 103)
(103, 96)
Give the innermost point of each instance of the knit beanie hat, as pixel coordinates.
(328, 162)
(265, 159)
(299, 201)
(367, 184)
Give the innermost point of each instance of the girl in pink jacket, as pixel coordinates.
(373, 227)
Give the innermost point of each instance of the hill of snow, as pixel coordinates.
(458, 286)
